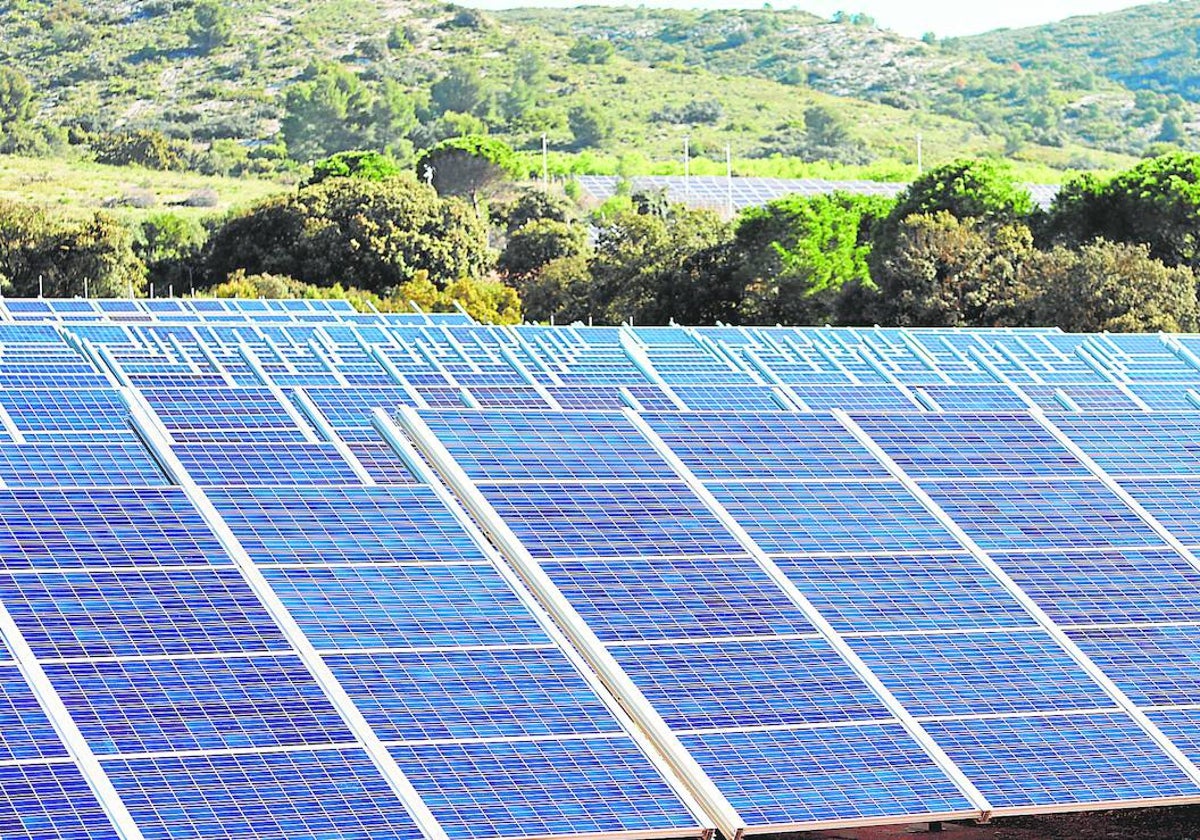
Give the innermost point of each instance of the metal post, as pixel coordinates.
(729, 180)
(545, 165)
(687, 169)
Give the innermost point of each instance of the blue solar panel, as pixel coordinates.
(455, 694)
(25, 731)
(109, 461)
(138, 613)
(351, 608)
(1108, 586)
(725, 398)
(1154, 666)
(288, 462)
(1022, 762)
(65, 410)
(381, 462)
(853, 397)
(963, 397)
(354, 407)
(736, 683)
(344, 524)
(610, 520)
(661, 598)
(551, 446)
(970, 445)
(197, 409)
(71, 528)
(298, 795)
(1172, 501)
(833, 516)
(878, 593)
(785, 776)
(777, 445)
(195, 704)
(50, 802)
(537, 788)
(997, 672)
(1138, 444)
(1064, 513)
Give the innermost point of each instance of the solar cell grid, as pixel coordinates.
(456, 694)
(522, 788)
(786, 776)
(67, 528)
(737, 683)
(194, 704)
(1061, 513)
(1154, 666)
(1172, 501)
(1138, 444)
(138, 613)
(116, 459)
(971, 445)
(1023, 762)
(832, 516)
(491, 446)
(879, 593)
(50, 802)
(64, 410)
(774, 445)
(344, 525)
(297, 795)
(25, 731)
(647, 598)
(1109, 586)
(352, 608)
(997, 672)
(292, 462)
(617, 519)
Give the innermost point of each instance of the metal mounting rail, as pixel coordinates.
(695, 781)
(422, 470)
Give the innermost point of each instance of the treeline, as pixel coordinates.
(962, 246)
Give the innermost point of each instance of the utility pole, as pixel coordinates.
(687, 169)
(729, 180)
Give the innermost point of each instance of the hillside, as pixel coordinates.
(768, 84)
(1151, 48)
(1019, 97)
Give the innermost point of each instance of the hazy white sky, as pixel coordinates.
(912, 17)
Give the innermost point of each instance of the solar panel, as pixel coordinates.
(268, 796)
(197, 704)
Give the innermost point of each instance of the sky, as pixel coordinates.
(910, 17)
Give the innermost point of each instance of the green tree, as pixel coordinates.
(212, 25)
(16, 99)
(330, 112)
(59, 256)
(589, 50)
(792, 256)
(371, 235)
(148, 148)
(169, 245)
(462, 90)
(639, 269)
(539, 242)
(1156, 203)
(590, 125)
(369, 166)
(1113, 287)
(947, 272)
(473, 166)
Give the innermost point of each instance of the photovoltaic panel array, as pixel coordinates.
(739, 577)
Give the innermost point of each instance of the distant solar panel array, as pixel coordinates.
(273, 569)
(720, 193)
